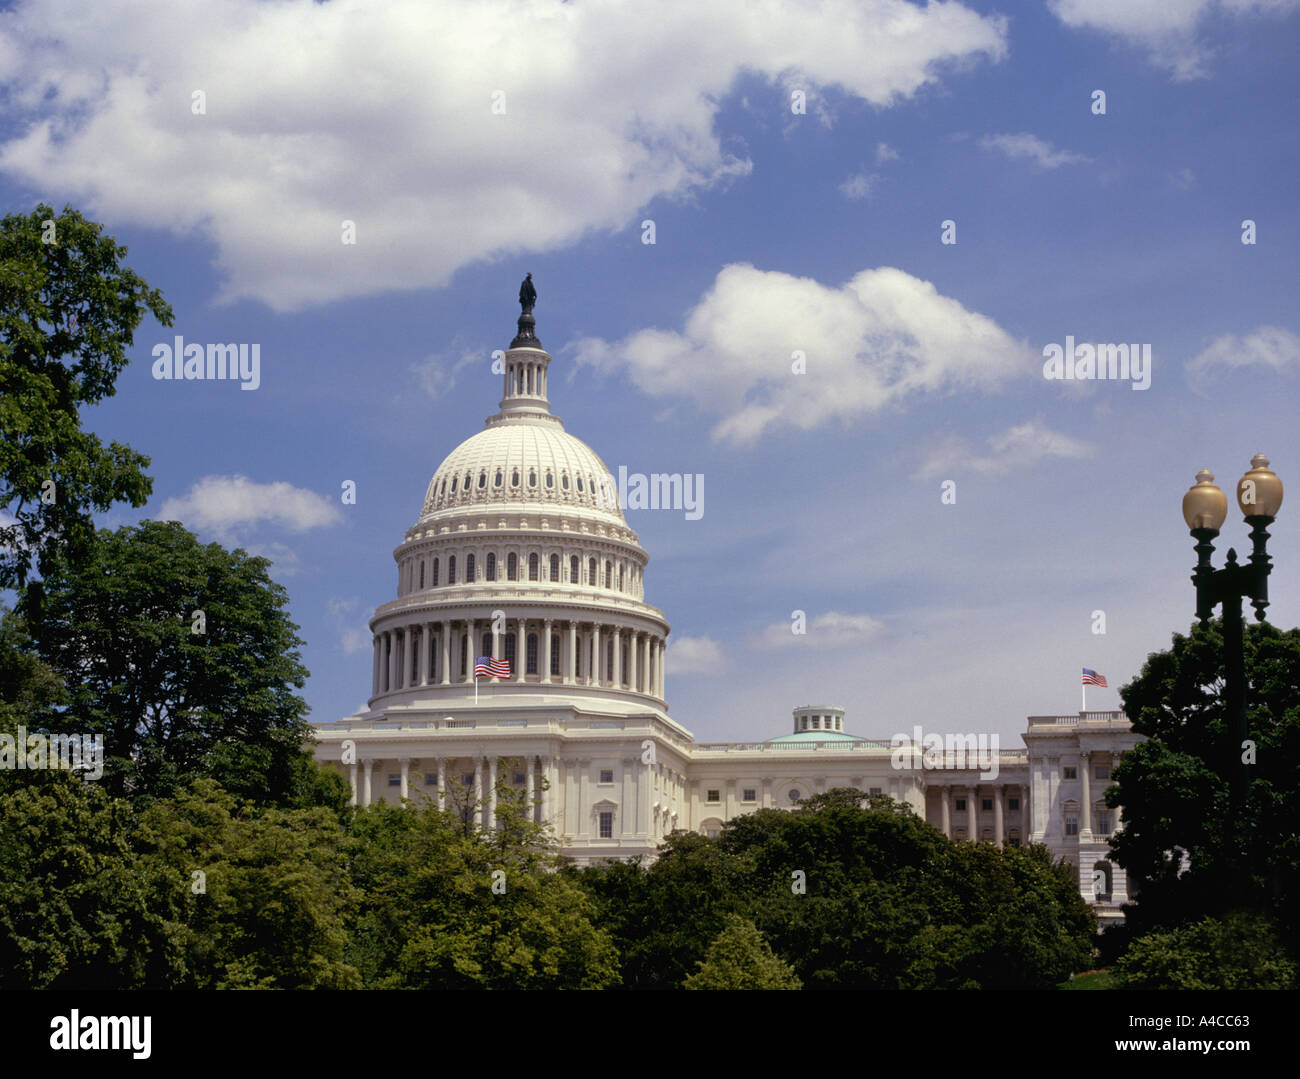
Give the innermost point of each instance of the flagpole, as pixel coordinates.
(1083, 700)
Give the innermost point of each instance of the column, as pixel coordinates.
(945, 799)
(594, 680)
(492, 793)
(663, 674)
(971, 803)
(478, 791)
(571, 668)
(406, 777)
(635, 643)
(544, 660)
(442, 783)
(545, 762)
(366, 765)
(426, 661)
(445, 648)
(1085, 802)
(390, 645)
(521, 642)
(530, 788)
(997, 814)
(408, 650)
(618, 657)
(374, 672)
(352, 782)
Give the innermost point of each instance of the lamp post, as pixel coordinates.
(1259, 495)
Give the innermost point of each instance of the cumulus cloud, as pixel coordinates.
(858, 187)
(693, 655)
(448, 133)
(831, 629)
(1269, 346)
(885, 152)
(1016, 447)
(1169, 31)
(225, 504)
(351, 626)
(868, 344)
(1025, 145)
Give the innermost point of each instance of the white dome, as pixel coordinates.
(523, 463)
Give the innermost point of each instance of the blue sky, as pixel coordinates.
(776, 232)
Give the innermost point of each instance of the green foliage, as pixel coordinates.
(739, 958)
(1175, 787)
(432, 918)
(174, 705)
(889, 902)
(68, 314)
(1238, 952)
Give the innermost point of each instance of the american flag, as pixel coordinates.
(1092, 678)
(487, 667)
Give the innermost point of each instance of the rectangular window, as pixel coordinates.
(987, 805)
(874, 790)
(749, 794)
(712, 796)
(1014, 841)
(961, 805)
(430, 779)
(607, 775)
(1072, 824)
(1013, 804)
(1103, 822)
(1070, 772)
(394, 780)
(1102, 771)
(469, 779)
(606, 825)
(518, 779)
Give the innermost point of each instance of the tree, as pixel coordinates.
(739, 958)
(183, 657)
(1237, 952)
(1181, 840)
(68, 314)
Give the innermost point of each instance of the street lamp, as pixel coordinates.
(1259, 495)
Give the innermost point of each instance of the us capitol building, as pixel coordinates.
(520, 553)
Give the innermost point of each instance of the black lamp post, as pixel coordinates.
(1259, 494)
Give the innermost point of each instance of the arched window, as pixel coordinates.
(532, 654)
(482, 480)
(609, 575)
(512, 566)
(564, 480)
(467, 482)
(591, 572)
(609, 659)
(579, 483)
(454, 481)
(491, 567)
(620, 578)
(555, 654)
(435, 573)
(451, 570)
(555, 567)
(469, 569)
(422, 574)
(532, 479)
(510, 651)
(464, 652)
(487, 645)
(499, 479)
(514, 478)
(532, 566)
(573, 570)
(550, 480)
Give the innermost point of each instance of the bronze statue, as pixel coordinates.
(527, 294)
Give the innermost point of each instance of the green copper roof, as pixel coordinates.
(816, 736)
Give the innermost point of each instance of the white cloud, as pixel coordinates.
(831, 629)
(382, 115)
(885, 152)
(1167, 30)
(1031, 146)
(883, 336)
(860, 186)
(352, 628)
(693, 655)
(439, 371)
(1268, 346)
(1017, 447)
(222, 504)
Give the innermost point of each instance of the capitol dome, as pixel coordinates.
(520, 555)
